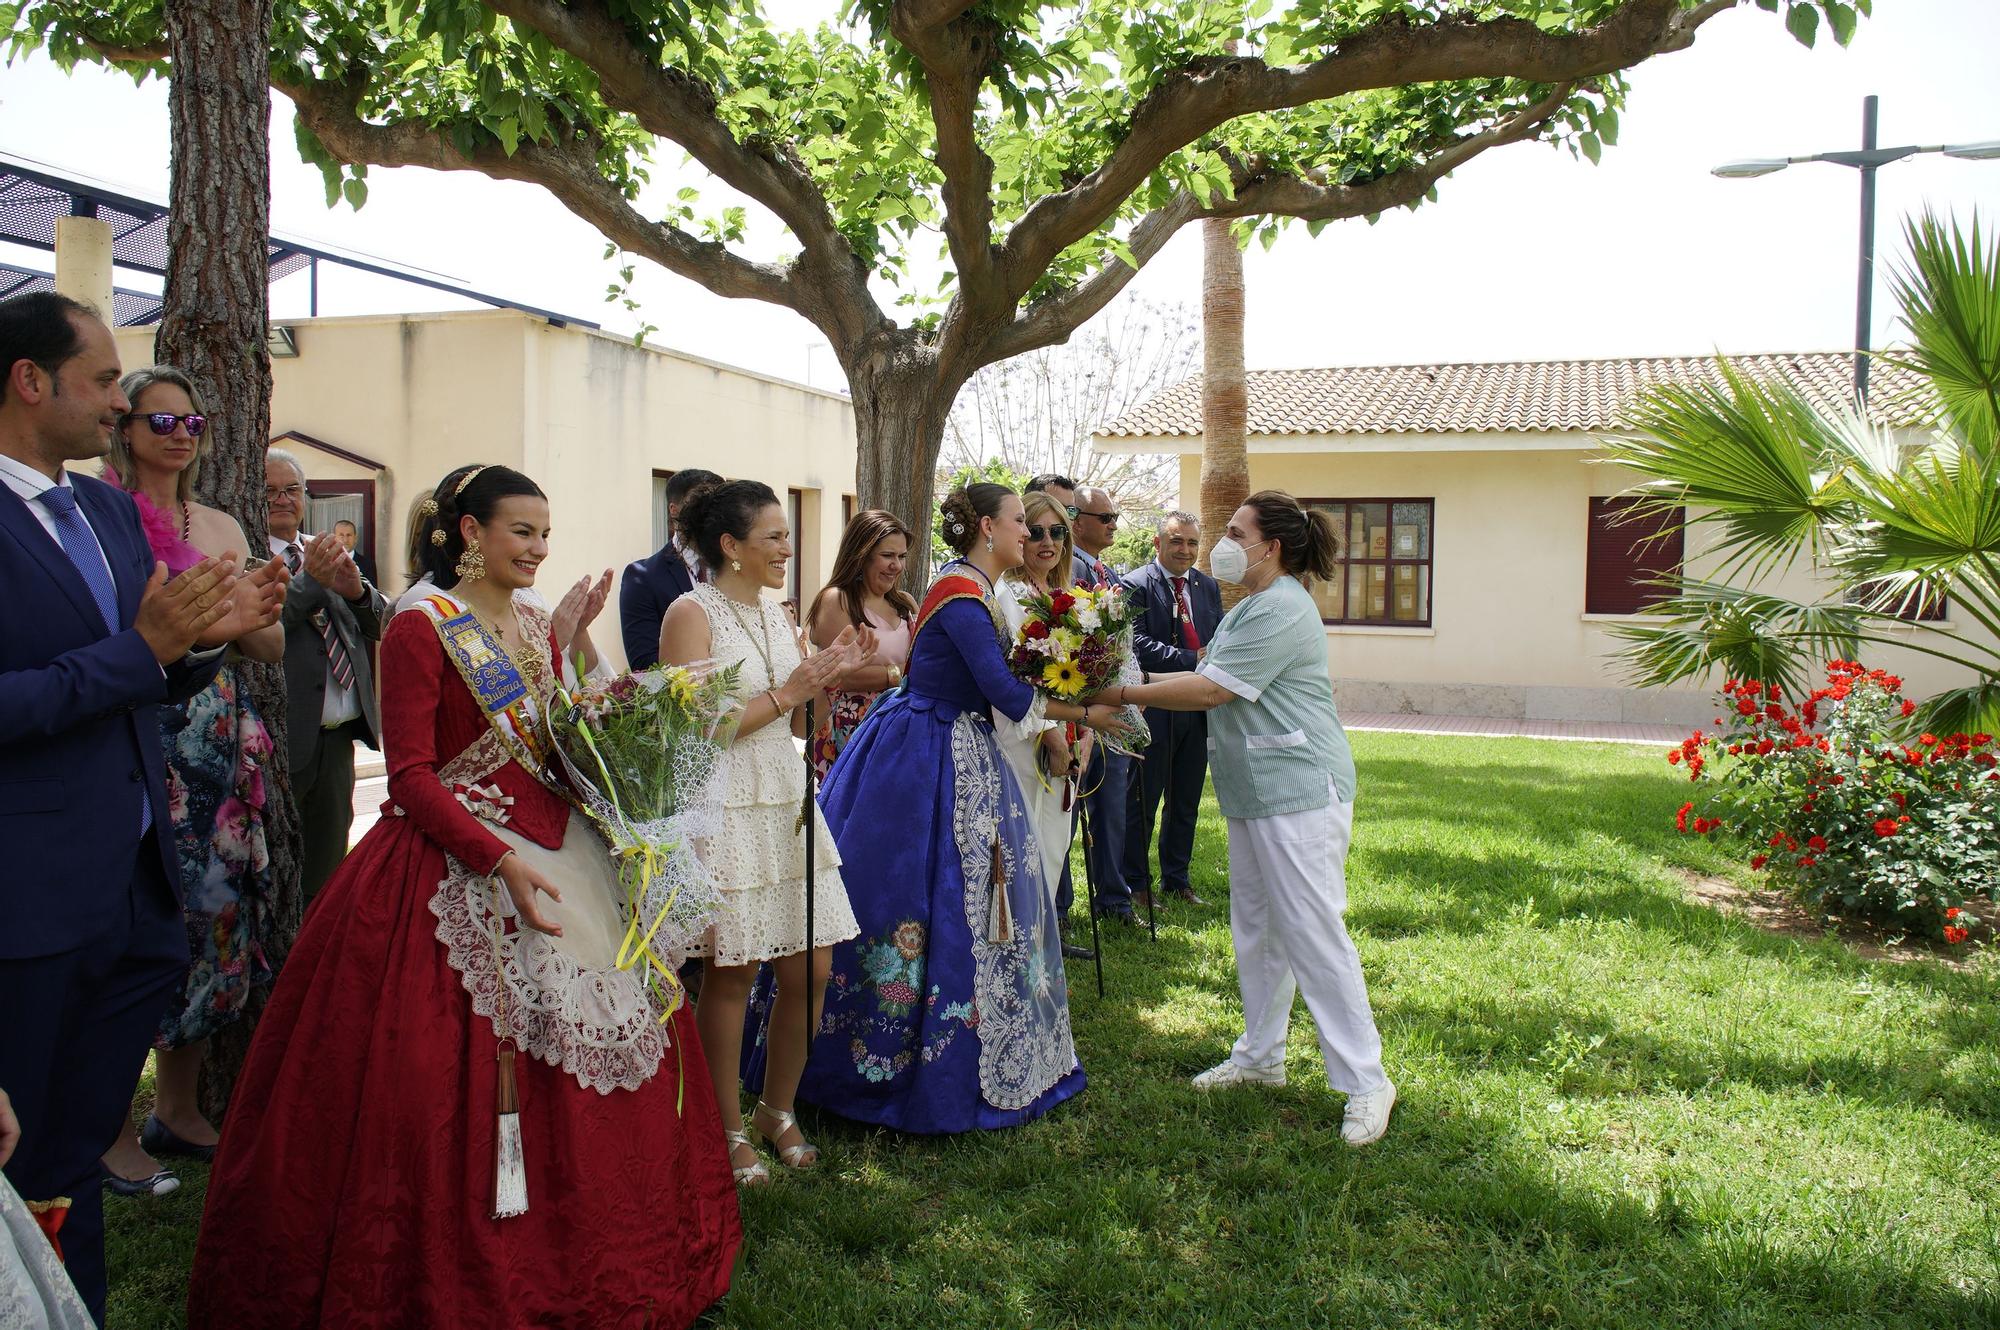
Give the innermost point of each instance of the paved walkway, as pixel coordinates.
(1495, 727)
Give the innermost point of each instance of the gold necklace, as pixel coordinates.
(764, 622)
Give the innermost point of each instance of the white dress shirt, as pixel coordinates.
(340, 704)
(29, 483)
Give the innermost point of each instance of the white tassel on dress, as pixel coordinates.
(510, 1169)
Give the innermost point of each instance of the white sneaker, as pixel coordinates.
(1367, 1116)
(1229, 1074)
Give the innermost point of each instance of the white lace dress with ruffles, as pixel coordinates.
(758, 858)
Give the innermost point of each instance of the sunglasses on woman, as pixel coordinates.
(162, 422)
(1053, 532)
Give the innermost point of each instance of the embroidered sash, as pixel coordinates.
(494, 680)
(950, 587)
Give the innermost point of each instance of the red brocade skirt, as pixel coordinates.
(355, 1177)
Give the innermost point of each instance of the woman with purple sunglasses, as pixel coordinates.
(217, 753)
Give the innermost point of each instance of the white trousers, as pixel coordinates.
(1287, 893)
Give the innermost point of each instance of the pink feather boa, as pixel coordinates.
(162, 532)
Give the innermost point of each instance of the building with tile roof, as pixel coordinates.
(1488, 558)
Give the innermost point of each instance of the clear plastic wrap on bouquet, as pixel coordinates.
(643, 754)
(1073, 644)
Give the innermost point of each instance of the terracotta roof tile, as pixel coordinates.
(1535, 396)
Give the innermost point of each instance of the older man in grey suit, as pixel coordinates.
(329, 687)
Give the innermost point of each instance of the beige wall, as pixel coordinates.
(590, 416)
(1509, 635)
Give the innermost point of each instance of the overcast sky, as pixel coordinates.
(1528, 254)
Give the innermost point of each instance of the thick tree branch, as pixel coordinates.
(675, 106)
(151, 53)
(920, 16)
(1192, 101)
(568, 170)
(955, 58)
(1053, 318)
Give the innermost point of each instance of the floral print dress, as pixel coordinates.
(217, 753)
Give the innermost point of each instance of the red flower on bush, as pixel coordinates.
(1816, 843)
(1886, 827)
(1909, 708)
(1756, 861)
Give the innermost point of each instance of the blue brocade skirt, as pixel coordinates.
(950, 1011)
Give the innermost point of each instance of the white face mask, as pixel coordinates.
(1229, 561)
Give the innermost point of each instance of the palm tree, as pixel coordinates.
(1778, 480)
(1225, 394)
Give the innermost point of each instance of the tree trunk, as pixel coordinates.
(1225, 395)
(899, 417)
(213, 326)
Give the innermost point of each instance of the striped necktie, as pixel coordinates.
(74, 535)
(337, 662)
(1185, 613)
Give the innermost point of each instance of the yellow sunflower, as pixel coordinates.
(1062, 678)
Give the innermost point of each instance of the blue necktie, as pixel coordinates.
(74, 534)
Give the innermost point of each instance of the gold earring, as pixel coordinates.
(472, 563)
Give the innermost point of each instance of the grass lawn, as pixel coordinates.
(1619, 1110)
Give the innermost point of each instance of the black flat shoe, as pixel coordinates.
(160, 1142)
(1072, 952)
(160, 1184)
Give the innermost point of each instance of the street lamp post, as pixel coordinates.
(1868, 160)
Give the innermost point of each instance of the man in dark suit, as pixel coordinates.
(92, 637)
(1093, 526)
(330, 616)
(350, 536)
(1178, 608)
(650, 585)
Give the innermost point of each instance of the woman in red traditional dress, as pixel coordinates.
(366, 1156)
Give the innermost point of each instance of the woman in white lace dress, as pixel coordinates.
(758, 858)
(1047, 764)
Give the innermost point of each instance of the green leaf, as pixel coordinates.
(1591, 148)
(1803, 20)
(1842, 19)
(355, 191)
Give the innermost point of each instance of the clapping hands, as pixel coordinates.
(209, 605)
(579, 608)
(329, 564)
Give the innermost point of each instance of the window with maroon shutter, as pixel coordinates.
(1627, 555)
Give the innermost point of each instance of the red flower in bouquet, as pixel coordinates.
(1062, 602)
(1036, 629)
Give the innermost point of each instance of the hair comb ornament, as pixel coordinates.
(470, 476)
(428, 508)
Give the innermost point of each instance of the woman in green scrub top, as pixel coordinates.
(1284, 778)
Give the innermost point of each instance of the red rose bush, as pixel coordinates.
(1835, 801)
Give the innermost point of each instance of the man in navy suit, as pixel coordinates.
(1179, 607)
(651, 585)
(1093, 526)
(92, 636)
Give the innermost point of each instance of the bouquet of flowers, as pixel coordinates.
(643, 754)
(1077, 642)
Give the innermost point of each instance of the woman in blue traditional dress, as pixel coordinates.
(949, 1012)
(217, 754)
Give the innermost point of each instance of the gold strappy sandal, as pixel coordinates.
(800, 1156)
(749, 1175)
